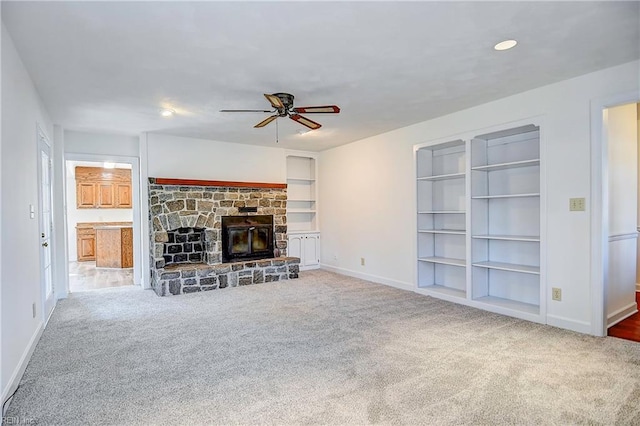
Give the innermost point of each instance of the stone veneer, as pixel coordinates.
(194, 206)
(190, 278)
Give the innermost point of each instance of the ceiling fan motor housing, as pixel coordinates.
(287, 100)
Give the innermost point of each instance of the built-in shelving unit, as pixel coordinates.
(442, 219)
(301, 194)
(479, 221)
(303, 235)
(505, 219)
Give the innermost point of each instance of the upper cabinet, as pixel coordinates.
(301, 193)
(98, 188)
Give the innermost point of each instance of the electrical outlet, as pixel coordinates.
(577, 204)
(362, 261)
(556, 294)
(33, 309)
(335, 256)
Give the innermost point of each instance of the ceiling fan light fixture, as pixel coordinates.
(167, 112)
(505, 45)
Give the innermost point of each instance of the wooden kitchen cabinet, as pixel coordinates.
(86, 239)
(98, 188)
(86, 195)
(105, 195)
(123, 195)
(114, 246)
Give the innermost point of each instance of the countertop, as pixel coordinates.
(111, 227)
(93, 225)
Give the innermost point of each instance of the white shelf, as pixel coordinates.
(443, 231)
(511, 267)
(440, 289)
(443, 177)
(489, 197)
(302, 194)
(301, 179)
(442, 212)
(533, 238)
(444, 261)
(509, 304)
(510, 165)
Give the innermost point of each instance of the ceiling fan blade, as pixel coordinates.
(305, 121)
(244, 110)
(266, 121)
(274, 101)
(326, 109)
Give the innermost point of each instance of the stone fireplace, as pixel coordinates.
(186, 227)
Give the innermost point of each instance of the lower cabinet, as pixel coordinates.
(306, 246)
(86, 238)
(86, 244)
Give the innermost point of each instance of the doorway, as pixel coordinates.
(622, 138)
(100, 224)
(614, 215)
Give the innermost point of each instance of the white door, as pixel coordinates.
(311, 250)
(46, 227)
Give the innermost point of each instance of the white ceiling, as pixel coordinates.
(110, 66)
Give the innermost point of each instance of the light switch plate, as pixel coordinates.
(577, 204)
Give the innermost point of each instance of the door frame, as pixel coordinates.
(44, 143)
(138, 257)
(600, 208)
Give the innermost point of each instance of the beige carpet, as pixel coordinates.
(323, 349)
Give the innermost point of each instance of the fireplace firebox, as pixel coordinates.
(184, 245)
(247, 238)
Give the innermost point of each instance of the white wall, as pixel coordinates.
(101, 144)
(20, 281)
(368, 204)
(75, 215)
(621, 128)
(187, 158)
(622, 142)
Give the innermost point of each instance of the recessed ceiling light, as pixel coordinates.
(505, 45)
(166, 112)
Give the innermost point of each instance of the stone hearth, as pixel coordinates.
(202, 206)
(181, 279)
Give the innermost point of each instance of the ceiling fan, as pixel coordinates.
(283, 107)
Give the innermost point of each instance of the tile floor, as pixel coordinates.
(85, 276)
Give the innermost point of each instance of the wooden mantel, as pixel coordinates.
(196, 182)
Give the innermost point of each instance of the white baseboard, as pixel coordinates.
(309, 268)
(622, 313)
(569, 324)
(374, 278)
(13, 383)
